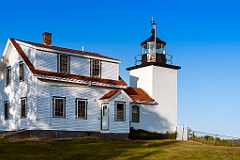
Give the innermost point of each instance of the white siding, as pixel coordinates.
(14, 92)
(142, 78)
(46, 61)
(118, 126)
(161, 84)
(29, 53)
(153, 119)
(79, 66)
(70, 122)
(109, 70)
(165, 93)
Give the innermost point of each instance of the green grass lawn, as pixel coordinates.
(114, 149)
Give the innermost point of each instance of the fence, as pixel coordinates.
(213, 139)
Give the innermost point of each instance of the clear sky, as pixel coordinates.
(202, 35)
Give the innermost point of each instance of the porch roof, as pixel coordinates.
(136, 94)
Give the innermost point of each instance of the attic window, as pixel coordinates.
(8, 76)
(95, 68)
(21, 71)
(63, 63)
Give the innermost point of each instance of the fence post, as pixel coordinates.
(215, 137)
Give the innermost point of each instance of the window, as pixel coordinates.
(23, 107)
(135, 113)
(6, 110)
(21, 71)
(63, 63)
(59, 104)
(95, 68)
(81, 108)
(8, 76)
(119, 111)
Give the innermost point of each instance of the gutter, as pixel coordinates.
(143, 102)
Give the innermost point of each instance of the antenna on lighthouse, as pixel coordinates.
(154, 24)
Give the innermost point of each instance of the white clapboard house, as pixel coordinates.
(54, 92)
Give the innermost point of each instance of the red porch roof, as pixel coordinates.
(136, 94)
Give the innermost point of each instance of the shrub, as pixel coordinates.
(145, 135)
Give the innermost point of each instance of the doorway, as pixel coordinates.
(104, 117)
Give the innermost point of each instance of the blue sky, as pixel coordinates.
(202, 35)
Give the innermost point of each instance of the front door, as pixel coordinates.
(105, 117)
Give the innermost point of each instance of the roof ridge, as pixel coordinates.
(64, 49)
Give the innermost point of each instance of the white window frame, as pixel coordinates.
(8, 76)
(63, 67)
(24, 107)
(6, 110)
(78, 115)
(119, 112)
(135, 111)
(59, 112)
(95, 69)
(21, 71)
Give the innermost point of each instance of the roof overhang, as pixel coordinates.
(154, 64)
(133, 95)
(78, 81)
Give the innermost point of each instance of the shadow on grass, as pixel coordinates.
(82, 149)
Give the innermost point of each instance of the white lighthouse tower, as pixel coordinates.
(159, 80)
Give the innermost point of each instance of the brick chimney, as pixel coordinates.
(47, 38)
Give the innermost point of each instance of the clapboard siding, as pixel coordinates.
(109, 70)
(79, 66)
(29, 51)
(118, 126)
(14, 92)
(70, 122)
(46, 61)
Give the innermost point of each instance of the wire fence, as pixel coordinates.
(213, 139)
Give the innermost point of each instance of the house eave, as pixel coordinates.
(77, 81)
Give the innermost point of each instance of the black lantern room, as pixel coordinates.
(153, 48)
(153, 53)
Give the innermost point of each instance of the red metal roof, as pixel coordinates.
(67, 50)
(136, 94)
(120, 82)
(109, 94)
